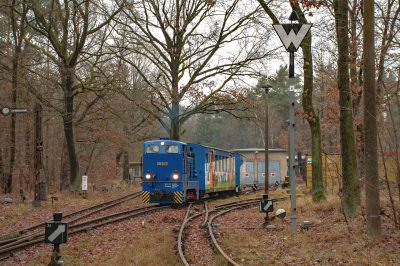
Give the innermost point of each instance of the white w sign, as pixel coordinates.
(292, 35)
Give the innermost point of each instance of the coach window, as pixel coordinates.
(152, 148)
(216, 163)
(220, 163)
(225, 164)
(172, 149)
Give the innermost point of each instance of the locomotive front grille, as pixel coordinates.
(178, 197)
(146, 197)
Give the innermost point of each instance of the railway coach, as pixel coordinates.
(175, 172)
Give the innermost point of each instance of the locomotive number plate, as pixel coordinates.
(162, 163)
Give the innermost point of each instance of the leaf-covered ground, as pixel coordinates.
(151, 239)
(20, 215)
(330, 241)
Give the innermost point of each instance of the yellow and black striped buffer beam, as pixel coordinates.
(178, 197)
(146, 197)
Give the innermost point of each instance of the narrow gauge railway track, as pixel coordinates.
(229, 204)
(101, 207)
(15, 236)
(22, 243)
(84, 227)
(206, 213)
(222, 209)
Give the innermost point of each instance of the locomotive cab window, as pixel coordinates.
(172, 149)
(152, 148)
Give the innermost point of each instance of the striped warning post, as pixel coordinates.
(178, 197)
(146, 197)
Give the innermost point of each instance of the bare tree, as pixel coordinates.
(197, 51)
(374, 228)
(351, 185)
(76, 31)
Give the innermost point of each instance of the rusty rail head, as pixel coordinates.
(17, 240)
(203, 225)
(245, 204)
(188, 211)
(235, 202)
(186, 220)
(4, 252)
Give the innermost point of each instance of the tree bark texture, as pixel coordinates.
(374, 228)
(74, 178)
(64, 166)
(18, 34)
(126, 166)
(312, 117)
(351, 185)
(175, 122)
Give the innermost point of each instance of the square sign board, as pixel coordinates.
(84, 182)
(56, 232)
(266, 205)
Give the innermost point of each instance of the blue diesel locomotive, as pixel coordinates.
(175, 172)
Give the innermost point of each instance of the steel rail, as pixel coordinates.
(185, 221)
(5, 253)
(17, 240)
(212, 234)
(203, 225)
(235, 202)
(72, 227)
(10, 237)
(247, 200)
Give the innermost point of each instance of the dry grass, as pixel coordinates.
(18, 215)
(155, 248)
(330, 241)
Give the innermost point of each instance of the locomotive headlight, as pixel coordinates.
(175, 175)
(148, 176)
(162, 143)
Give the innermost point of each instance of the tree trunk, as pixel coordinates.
(2, 176)
(74, 178)
(312, 116)
(175, 125)
(9, 177)
(351, 186)
(64, 172)
(14, 84)
(374, 229)
(28, 154)
(355, 83)
(126, 166)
